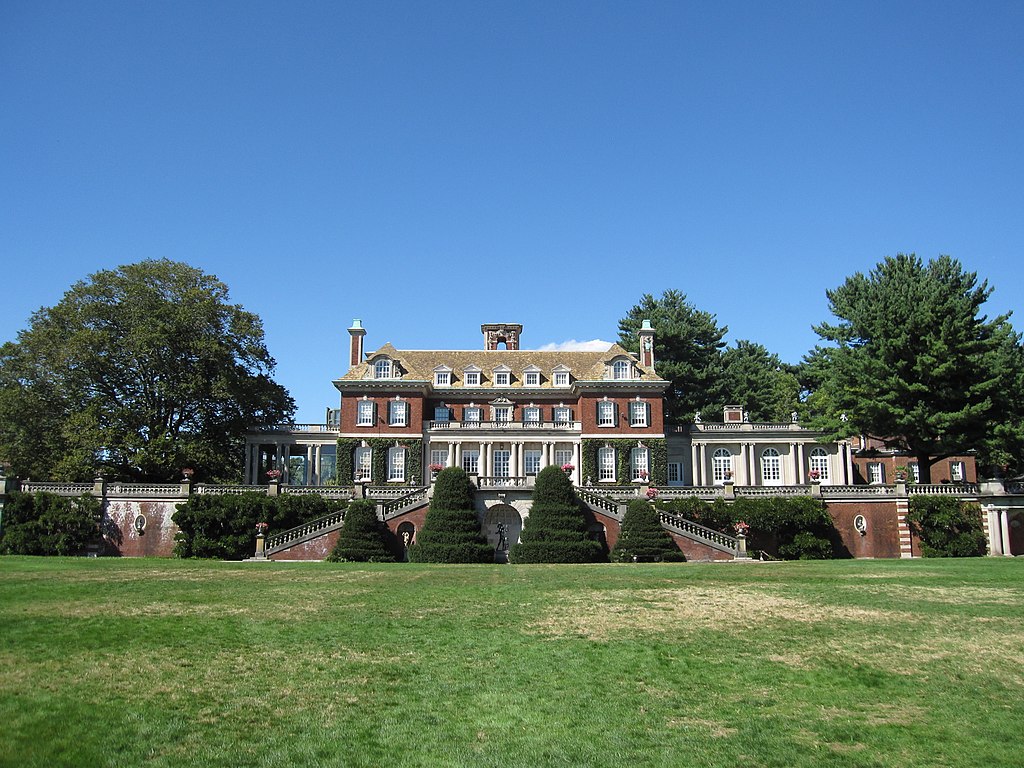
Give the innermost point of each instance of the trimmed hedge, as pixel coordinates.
(47, 524)
(363, 538)
(947, 526)
(224, 527)
(556, 531)
(451, 530)
(642, 539)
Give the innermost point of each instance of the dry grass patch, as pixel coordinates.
(714, 729)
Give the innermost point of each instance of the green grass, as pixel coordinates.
(169, 663)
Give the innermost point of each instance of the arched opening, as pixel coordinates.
(406, 536)
(502, 526)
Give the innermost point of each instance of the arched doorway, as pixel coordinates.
(502, 526)
(406, 536)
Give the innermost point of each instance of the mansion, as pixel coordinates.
(503, 413)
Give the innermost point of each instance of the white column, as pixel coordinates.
(1004, 526)
(800, 464)
(849, 465)
(577, 461)
(995, 541)
(694, 465)
(456, 457)
(488, 459)
(795, 460)
(703, 463)
(513, 459)
(309, 465)
(450, 459)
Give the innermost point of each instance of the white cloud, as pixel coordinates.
(572, 345)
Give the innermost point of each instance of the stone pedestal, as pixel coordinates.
(261, 547)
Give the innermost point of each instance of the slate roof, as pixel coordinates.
(419, 365)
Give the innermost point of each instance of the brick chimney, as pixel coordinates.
(646, 335)
(356, 334)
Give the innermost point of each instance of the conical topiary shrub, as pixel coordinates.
(642, 539)
(362, 537)
(451, 530)
(556, 531)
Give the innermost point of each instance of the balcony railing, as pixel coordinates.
(505, 426)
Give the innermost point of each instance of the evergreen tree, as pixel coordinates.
(451, 531)
(556, 531)
(757, 380)
(642, 539)
(362, 538)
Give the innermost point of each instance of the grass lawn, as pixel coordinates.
(854, 663)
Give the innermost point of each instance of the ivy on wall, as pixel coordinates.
(657, 459)
(379, 464)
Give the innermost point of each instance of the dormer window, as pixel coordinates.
(502, 376)
(383, 369)
(531, 376)
(560, 376)
(442, 376)
(621, 369)
(471, 377)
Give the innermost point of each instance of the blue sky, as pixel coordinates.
(428, 166)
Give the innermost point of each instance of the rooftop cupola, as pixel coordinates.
(646, 336)
(501, 333)
(356, 334)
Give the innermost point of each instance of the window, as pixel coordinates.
(876, 473)
(439, 456)
(396, 465)
(606, 464)
(771, 467)
(472, 378)
(398, 413)
(560, 378)
(531, 416)
(531, 462)
(531, 377)
(382, 369)
(502, 377)
(563, 456)
(470, 416)
(502, 414)
(675, 473)
(442, 413)
(957, 471)
(363, 465)
(721, 466)
(620, 369)
(501, 460)
(637, 413)
(638, 469)
(563, 416)
(442, 378)
(606, 413)
(334, 418)
(819, 463)
(915, 472)
(365, 413)
(471, 461)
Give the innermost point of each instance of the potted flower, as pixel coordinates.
(261, 529)
(567, 468)
(815, 475)
(187, 473)
(652, 493)
(641, 476)
(741, 528)
(274, 475)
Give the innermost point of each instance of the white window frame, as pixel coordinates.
(639, 463)
(439, 456)
(471, 378)
(957, 471)
(472, 415)
(502, 462)
(503, 414)
(396, 465)
(502, 377)
(471, 461)
(721, 466)
(442, 378)
(398, 413)
(560, 379)
(442, 413)
(562, 415)
(638, 413)
(531, 415)
(606, 464)
(876, 473)
(363, 465)
(605, 413)
(365, 413)
(771, 466)
(818, 459)
(531, 461)
(531, 377)
(621, 370)
(563, 456)
(915, 472)
(383, 368)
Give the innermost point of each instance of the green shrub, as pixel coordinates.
(947, 526)
(642, 539)
(224, 526)
(363, 538)
(47, 524)
(451, 530)
(556, 531)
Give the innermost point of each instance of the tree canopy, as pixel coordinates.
(913, 361)
(451, 530)
(688, 348)
(752, 377)
(137, 372)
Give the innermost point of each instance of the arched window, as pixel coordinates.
(382, 369)
(396, 465)
(620, 369)
(771, 467)
(363, 465)
(721, 466)
(638, 464)
(819, 464)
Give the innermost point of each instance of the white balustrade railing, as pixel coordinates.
(327, 491)
(59, 489)
(161, 490)
(280, 540)
(221, 490)
(506, 426)
(944, 489)
(773, 490)
(857, 490)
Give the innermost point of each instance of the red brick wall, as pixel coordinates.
(586, 412)
(882, 536)
(156, 539)
(694, 550)
(940, 469)
(349, 412)
(314, 549)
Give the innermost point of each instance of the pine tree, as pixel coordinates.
(642, 539)
(361, 539)
(556, 531)
(451, 531)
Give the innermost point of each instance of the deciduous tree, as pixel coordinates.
(137, 372)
